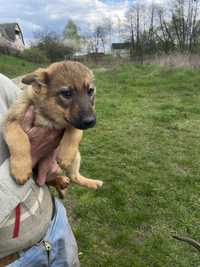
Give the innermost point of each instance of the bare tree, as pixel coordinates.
(98, 38)
(140, 29)
(183, 27)
(152, 28)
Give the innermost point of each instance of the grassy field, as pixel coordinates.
(14, 66)
(146, 149)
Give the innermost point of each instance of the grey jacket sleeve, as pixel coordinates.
(10, 193)
(8, 94)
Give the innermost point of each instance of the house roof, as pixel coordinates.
(121, 45)
(8, 31)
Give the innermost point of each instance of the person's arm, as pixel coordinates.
(42, 141)
(10, 192)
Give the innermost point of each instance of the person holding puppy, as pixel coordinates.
(34, 230)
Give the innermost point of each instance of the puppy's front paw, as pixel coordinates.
(62, 182)
(21, 171)
(95, 184)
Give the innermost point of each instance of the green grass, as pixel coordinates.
(14, 66)
(146, 149)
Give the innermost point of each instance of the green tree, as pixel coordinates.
(71, 30)
(71, 35)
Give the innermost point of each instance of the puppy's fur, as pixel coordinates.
(63, 96)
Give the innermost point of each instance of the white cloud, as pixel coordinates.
(36, 15)
(89, 12)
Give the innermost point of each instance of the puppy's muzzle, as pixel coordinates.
(83, 123)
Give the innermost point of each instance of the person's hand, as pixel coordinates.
(48, 168)
(44, 142)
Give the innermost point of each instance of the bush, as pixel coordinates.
(52, 45)
(55, 51)
(36, 55)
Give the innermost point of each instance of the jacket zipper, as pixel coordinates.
(48, 248)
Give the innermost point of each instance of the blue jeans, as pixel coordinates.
(57, 249)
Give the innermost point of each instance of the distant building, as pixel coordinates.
(121, 49)
(11, 38)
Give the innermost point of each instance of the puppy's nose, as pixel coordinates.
(89, 121)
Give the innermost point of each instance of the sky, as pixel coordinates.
(52, 15)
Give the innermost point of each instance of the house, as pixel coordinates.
(11, 38)
(121, 49)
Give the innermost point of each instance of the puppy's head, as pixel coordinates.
(65, 94)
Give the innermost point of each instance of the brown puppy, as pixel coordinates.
(63, 96)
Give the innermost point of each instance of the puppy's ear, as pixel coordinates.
(39, 77)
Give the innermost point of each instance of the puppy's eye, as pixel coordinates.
(90, 91)
(66, 93)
